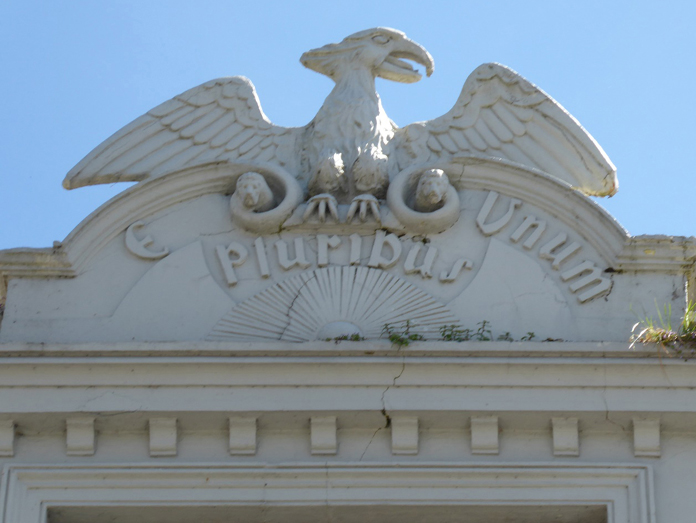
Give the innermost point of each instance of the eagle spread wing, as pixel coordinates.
(218, 121)
(500, 114)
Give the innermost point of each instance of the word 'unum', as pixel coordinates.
(557, 250)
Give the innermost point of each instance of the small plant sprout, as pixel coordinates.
(347, 337)
(680, 341)
(454, 333)
(483, 333)
(401, 336)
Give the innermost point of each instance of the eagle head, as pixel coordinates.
(382, 50)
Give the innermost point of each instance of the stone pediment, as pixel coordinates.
(166, 261)
(240, 230)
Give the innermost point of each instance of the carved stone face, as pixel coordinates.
(251, 190)
(432, 189)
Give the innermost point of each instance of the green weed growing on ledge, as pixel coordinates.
(401, 336)
(481, 333)
(680, 341)
(347, 337)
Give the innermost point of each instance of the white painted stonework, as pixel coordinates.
(347, 321)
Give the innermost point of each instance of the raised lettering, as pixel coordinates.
(461, 263)
(261, 258)
(355, 248)
(550, 251)
(139, 247)
(284, 260)
(529, 223)
(229, 264)
(593, 275)
(492, 228)
(324, 242)
(376, 258)
(426, 268)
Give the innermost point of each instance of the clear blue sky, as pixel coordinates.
(76, 72)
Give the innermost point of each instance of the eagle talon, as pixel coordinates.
(320, 203)
(364, 202)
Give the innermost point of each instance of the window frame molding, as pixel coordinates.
(30, 491)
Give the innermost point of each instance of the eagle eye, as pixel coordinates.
(380, 39)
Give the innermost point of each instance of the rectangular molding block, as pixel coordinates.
(566, 440)
(484, 435)
(242, 436)
(646, 438)
(404, 432)
(323, 435)
(163, 437)
(7, 437)
(79, 437)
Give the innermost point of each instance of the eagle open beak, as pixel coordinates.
(398, 70)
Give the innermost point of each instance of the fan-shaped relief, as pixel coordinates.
(424, 200)
(331, 302)
(264, 198)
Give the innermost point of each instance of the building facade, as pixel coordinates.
(347, 321)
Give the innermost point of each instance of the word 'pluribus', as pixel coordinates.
(557, 250)
(385, 253)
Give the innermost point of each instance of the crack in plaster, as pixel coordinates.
(384, 408)
(373, 437)
(292, 304)
(606, 404)
(264, 504)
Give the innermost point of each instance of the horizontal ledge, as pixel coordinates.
(342, 349)
(376, 466)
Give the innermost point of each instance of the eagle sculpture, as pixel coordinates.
(351, 149)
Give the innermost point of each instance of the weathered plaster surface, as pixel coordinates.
(168, 360)
(509, 283)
